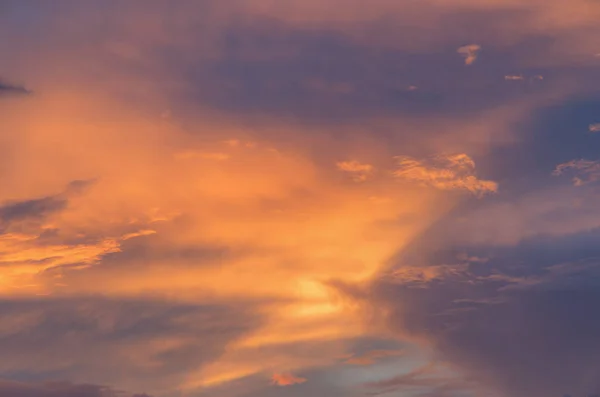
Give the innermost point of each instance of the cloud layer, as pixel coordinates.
(216, 198)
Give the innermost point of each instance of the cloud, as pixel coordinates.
(587, 171)
(192, 232)
(36, 208)
(431, 379)
(39, 208)
(469, 52)
(146, 343)
(371, 357)
(422, 275)
(358, 170)
(513, 77)
(594, 127)
(218, 156)
(194, 264)
(454, 172)
(31, 242)
(57, 389)
(354, 166)
(516, 360)
(286, 379)
(508, 324)
(10, 89)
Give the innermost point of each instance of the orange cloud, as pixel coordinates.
(358, 170)
(469, 52)
(286, 379)
(183, 212)
(268, 227)
(586, 171)
(456, 172)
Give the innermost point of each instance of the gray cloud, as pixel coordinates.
(522, 323)
(57, 389)
(15, 212)
(36, 208)
(424, 381)
(133, 343)
(324, 75)
(11, 89)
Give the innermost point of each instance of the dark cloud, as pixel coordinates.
(423, 381)
(11, 89)
(320, 74)
(37, 209)
(524, 322)
(552, 135)
(153, 343)
(57, 389)
(324, 75)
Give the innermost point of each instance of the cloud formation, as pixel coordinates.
(469, 52)
(513, 77)
(56, 389)
(586, 171)
(453, 172)
(286, 379)
(221, 240)
(358, 170)
(371, 357)
(10, 89)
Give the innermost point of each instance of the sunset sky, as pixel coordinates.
(299, 198)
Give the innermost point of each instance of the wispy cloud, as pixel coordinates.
(359, 171)
(56, 389)
(286, 379)
(430, 379)
(513, 77)
(594, 127)
(453, 172)
(469, 52)
(373, 356)
(586, 171)
(224, 138)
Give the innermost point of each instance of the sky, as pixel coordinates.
(290, 198)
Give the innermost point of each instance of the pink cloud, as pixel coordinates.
(286, 379)
(469, 52)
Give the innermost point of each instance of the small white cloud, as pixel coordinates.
(513, 77)
(469, 52)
